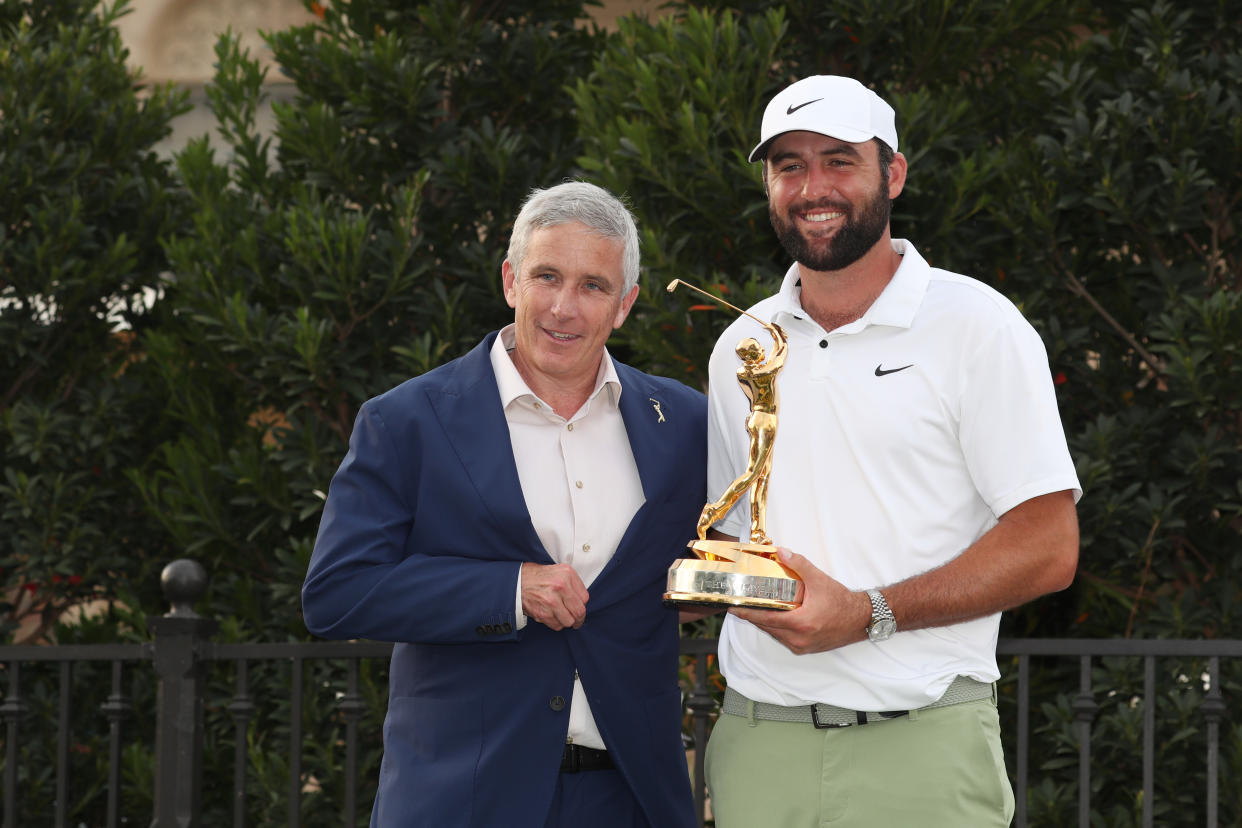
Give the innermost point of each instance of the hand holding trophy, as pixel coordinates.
(733, 573)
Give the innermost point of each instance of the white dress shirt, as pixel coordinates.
(579, 481)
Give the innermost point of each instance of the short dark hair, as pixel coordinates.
(882, 150)
(885, 154)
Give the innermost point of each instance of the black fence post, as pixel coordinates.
(179, 638)
(13, 709)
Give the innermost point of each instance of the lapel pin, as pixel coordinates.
(656, 405)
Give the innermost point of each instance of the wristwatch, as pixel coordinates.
(883, 624)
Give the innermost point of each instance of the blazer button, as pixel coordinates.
(557, 703)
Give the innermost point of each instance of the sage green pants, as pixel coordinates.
(937, 768)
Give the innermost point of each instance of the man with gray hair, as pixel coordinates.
(920, 482)
(508, 519)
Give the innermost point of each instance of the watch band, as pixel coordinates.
(883, 623)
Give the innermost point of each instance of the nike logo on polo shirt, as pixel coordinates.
(792, 109)
(880, 371)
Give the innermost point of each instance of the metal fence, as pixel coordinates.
(181, 651)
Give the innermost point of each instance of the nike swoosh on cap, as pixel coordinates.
(881, 371)
(792, 109)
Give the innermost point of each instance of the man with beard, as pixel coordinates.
(920, 485)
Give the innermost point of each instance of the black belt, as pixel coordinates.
(576, 758)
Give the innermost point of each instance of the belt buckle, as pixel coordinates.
(862, 718)
(825, 725)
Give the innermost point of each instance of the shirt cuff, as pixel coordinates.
(519, 617)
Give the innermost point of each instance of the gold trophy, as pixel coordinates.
(733, 573)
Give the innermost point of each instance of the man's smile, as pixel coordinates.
(820, 213)
(562, 337)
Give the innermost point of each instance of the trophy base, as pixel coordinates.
(730, 574)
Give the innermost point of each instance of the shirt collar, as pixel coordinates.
(512, 387)
(895, 306)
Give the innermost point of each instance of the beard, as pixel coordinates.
(859, 233)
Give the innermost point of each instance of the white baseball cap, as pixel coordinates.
(831, 105)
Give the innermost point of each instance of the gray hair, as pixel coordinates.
(594, 206)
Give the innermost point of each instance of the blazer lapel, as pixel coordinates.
(645, 425)
(469, 411)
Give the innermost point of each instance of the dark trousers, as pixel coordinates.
(599, 799)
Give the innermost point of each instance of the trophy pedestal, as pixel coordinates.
(732, 574)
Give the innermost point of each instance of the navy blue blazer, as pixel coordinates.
(423, 534)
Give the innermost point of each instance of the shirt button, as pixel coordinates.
(571, 426)
(586, 547)
(823, 343)
(578, 483)
(557, 703)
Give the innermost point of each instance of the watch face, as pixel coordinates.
(882, 629)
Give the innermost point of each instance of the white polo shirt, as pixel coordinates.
(902, 437)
